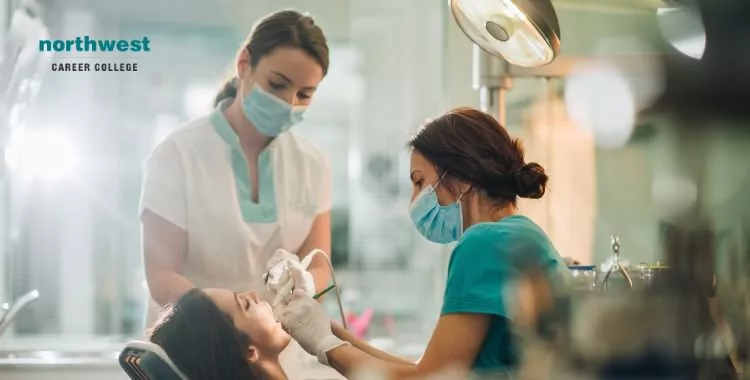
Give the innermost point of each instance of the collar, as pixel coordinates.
(222, 127)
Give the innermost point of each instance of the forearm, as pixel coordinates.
(167, 287)
(345, 335)
(321, 273)
(349, 360)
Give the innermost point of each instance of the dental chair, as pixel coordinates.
(147, 361)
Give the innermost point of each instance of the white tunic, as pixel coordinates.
(197, 179)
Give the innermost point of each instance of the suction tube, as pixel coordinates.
(307, 260)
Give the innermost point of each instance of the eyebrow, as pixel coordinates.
(286, 79)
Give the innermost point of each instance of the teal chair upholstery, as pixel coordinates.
(147, 361)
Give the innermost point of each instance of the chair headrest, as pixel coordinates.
(147, 361)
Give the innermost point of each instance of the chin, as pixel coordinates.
(285, 341)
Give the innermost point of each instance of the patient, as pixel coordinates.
(218, 334)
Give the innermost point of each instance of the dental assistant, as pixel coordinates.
(224, 192)
(467, 174)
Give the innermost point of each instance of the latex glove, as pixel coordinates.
(280, 255)
(307, 322)
(283, 261)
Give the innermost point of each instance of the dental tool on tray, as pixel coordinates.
(283, 288)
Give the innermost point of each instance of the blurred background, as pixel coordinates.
(77, 144)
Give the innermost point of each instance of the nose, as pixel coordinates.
(290, 96)
(253, 296)
(414, 193)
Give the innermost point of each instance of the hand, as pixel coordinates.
(280, 255)
(282, 261)
(307, 322)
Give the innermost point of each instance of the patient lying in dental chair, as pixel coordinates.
(218, 334)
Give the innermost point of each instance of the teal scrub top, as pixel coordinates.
(484, 261)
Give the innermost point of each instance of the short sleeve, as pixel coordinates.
(477, 275)
(325, 195)
(163, 191)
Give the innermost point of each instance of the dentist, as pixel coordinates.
(467, 174)
(226, 191)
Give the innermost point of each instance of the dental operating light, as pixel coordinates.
(525, 33)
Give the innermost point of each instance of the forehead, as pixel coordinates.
(295, 64)
(420, 163)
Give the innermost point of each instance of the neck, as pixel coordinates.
(481, 212)
(269, 369)
(251, 141)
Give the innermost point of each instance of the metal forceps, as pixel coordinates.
(616, 265)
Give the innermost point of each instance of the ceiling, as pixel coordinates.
(332, 15)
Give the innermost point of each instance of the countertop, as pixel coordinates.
(60, 351)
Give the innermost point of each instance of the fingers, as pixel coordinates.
(298, 274)
(300, 294)
(281, 255)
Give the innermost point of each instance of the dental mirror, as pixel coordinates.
(523, 32)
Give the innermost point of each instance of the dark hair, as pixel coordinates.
(285, 28)
(471, 146)
(201, 340)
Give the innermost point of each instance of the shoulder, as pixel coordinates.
(197, 132)
(488, 234)
(505, 239)
(479, 249)
(195, 135)
(516, 228)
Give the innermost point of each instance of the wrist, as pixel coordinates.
(331, 344)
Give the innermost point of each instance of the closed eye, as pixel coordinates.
(276, 86)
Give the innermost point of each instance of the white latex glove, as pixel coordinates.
(303, 279)
(283, 261)
(280, 255)
(307, 322)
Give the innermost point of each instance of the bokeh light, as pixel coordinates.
(598, 99)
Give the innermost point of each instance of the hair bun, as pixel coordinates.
(531, 181)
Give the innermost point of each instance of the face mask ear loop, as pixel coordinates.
(460, 216)
(440, 180)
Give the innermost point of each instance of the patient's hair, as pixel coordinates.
(202, 340)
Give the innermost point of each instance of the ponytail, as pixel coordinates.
(228, 91)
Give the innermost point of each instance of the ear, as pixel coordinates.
(463, 188)
(242, 62)
(457, 187)
(252, 354)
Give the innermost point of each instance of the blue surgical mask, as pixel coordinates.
(270, 115)
(437, 223)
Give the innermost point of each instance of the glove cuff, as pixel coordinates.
(329, 344)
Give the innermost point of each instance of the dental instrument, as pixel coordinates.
(280, 284)
(323, 292)
(617, 266)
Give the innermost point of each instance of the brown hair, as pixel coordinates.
(471, 146)
(285, 28)
(201, 340)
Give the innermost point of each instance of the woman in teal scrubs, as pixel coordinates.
(467, 173)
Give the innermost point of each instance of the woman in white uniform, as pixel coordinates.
(224, 192)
